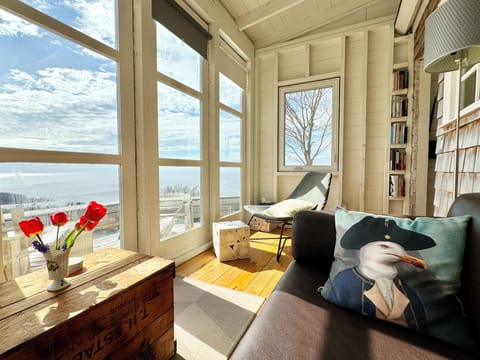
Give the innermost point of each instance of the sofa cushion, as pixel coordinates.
(401, 270)
(288, 208)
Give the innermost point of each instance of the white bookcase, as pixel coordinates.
(398, 136)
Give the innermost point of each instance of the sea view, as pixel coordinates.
(67, 184)
(28, 190)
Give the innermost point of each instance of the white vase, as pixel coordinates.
(57, 267)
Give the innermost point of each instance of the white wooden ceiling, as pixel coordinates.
(270, 22)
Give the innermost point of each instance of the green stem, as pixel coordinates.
(40, 239)
(57, 243)
(72, 237)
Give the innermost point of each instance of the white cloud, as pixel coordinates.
(59, 108)
(95, 18)
(11, 25)
(42, 5)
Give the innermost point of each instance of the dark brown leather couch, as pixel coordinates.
(297, 323)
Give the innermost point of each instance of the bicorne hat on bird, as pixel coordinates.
(371, 229)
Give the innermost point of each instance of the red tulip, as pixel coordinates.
(31, 227)
(92, 216)
(59, 219)
(95, 211)
(85, 223)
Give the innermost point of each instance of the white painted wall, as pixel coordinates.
(362, 57)
(378, 95)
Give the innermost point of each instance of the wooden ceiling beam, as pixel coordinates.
(264, 12)
(406, 15)
(327, 16)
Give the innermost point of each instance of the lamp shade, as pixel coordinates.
(452, 27)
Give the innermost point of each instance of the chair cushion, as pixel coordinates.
(288, 208)
(401, 270)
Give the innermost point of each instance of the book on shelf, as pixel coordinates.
(398, 159)
(396, 186)
(399, 106)
(400, 79)
(398, 133)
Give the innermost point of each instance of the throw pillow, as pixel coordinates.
(401, 270)
(288, 208)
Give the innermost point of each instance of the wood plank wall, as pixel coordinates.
(362, 58)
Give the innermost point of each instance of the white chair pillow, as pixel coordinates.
(288, 208)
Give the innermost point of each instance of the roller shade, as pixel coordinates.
(182, 24)
(232, 65)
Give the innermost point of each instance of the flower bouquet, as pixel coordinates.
(57, 254)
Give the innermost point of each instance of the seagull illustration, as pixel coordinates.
(372, 286)
(378, 261)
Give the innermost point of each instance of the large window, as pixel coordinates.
(230, 145)
(308, 123)
(59, 123)
(116, 102)
(180, 141)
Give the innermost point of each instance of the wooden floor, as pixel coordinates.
(257, 275)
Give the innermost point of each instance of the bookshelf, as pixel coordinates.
(397, 174)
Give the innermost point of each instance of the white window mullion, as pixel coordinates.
(126, 102)
(148, 232)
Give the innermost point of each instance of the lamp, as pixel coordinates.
(452, 39)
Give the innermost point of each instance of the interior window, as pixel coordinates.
(308, 123)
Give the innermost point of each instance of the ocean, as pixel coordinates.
(77, 183)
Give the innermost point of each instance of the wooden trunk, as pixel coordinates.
(119, 307)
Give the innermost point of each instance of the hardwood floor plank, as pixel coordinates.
(267, 290)
(195, 263)
(230, 275)
(215, 272)
(257, 275)
(242, 281)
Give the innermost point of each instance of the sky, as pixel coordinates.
(63, 90)
(65, 96)
(58, 95)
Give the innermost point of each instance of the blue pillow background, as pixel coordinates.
(437, 286)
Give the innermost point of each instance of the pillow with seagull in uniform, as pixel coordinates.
(401, 270)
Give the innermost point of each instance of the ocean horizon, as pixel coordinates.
(83, 183)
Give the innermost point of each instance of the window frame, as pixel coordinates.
(305, 86)
(202, 96)
(236, 68)
(122, 54)
(450, 86)
(240, 164)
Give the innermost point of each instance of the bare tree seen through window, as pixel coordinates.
(308, 127)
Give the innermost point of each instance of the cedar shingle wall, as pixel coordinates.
(469, 160)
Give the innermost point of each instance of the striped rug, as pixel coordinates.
(210, 319)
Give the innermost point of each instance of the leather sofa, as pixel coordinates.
(297, 323)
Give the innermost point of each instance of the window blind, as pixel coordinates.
(182, 24)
